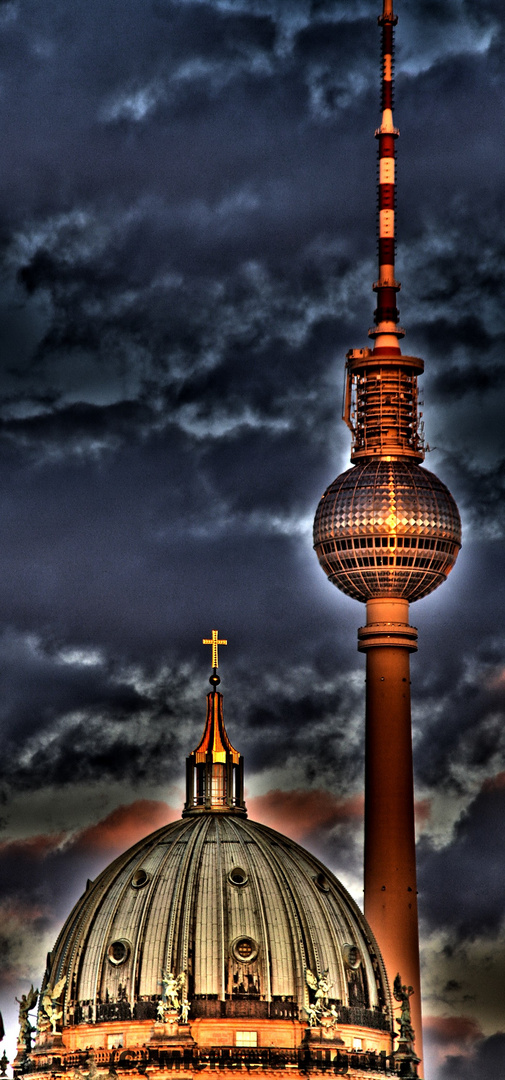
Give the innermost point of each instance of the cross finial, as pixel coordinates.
(215, 640)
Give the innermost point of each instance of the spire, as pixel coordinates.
(381, 394)
(214, 770)
(386, 331)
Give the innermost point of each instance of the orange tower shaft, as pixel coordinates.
(387, 532)
(390, 855)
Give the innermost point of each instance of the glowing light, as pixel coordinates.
(215, 640)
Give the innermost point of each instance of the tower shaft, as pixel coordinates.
(390, 857)
(388, 532)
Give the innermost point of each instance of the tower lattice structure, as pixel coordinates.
(387, 532)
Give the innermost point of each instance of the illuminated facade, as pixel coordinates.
(387, 532)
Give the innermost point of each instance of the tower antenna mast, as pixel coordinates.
(387, 532)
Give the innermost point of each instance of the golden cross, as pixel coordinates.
(214, 641)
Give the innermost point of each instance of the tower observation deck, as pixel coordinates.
(387, 532)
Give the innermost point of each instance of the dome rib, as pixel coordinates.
(266, 952)
(154, 910)
(299, 935)
(176, 949)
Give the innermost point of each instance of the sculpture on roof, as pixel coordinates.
(26, 1003)
(319, 1013)
(405, 1054)
(173, 998)
(403, 994)
(50, 1014)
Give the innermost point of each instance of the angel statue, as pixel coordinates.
(314, 1010)
(26, 1004)
(313, 1014)
(323, 987)
(50, 1013)
(173, 993)
(403, 994)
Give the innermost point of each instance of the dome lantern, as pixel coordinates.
(214, 770)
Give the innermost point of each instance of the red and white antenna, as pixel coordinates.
(386, 330)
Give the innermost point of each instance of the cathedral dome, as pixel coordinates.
(238, 908)
(211, 936)
(387, 527)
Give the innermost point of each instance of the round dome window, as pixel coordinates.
(352, 956)
(238, 876)
(244, 949)
(322, 882)
(118, 952)
(140, 878)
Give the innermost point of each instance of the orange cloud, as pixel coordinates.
(34, 847)
(116, 832)
(422, 810)
(124, 826)
(452, 1029)
(494, 783)
(14, 910)
(447, 1036)
(298, 813)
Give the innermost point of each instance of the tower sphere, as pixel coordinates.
(387, 527)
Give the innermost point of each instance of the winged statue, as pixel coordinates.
(50, 1013)
(26, 1003)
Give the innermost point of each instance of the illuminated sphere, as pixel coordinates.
(387, 528)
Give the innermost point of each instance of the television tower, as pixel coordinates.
(387, 532)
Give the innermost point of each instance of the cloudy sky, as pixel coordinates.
(187, 245)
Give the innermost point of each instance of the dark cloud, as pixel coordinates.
(464, 883)
(186, 255)
(489, 1060)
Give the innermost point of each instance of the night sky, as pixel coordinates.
(188, 242)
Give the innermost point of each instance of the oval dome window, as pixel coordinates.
(352, 956)
(322, 882)
(140, 878)
(118, 952)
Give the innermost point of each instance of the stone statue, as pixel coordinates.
(172, 997)
(171, 990)
(405, 1055)
(26, 1004)
(49, 1011)
(318, 1010)
(185, 1007)
(403, 994)
(323, 988)
(312, 1014)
